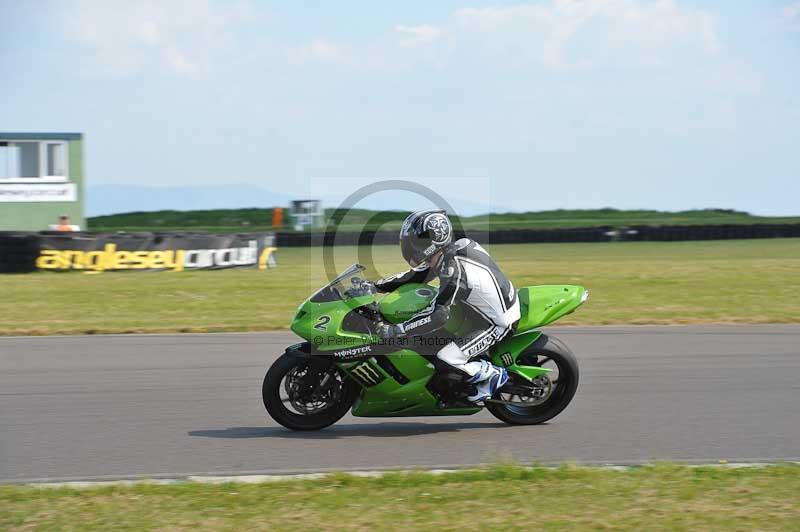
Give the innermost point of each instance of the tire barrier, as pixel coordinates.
(18, 252)
(581, 234)
(503, 236)
(709, 232)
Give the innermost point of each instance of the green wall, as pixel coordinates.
(37, 216)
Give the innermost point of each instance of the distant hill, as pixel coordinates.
(103, 200)
(250, 219)
(109, 199)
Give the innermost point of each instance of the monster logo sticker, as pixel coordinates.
(352, 352)
(366, 374)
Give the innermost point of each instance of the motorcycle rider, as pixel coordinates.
(468, 278)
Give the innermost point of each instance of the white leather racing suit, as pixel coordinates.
(468, 278)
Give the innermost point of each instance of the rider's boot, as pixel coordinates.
(487, 381)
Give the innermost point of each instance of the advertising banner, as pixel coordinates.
(155, 251)
(36, 192)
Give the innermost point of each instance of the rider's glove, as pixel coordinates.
(387, 330)
(369, 287)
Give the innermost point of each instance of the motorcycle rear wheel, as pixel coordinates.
(289, 367)
(545, 349)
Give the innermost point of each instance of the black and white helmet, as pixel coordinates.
(423, 234)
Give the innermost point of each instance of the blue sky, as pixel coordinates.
(664, 104)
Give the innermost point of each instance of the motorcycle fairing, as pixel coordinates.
(544, 304)
(505, 354)
(387, 397)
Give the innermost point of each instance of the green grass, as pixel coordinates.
(233, 220)
(745, 281)
(662, 497)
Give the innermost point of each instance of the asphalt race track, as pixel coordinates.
(173, 405)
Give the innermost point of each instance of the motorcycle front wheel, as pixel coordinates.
(306, 393)
(522, 403)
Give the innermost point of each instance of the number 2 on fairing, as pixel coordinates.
(322, 324)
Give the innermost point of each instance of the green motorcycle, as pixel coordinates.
(343, 365)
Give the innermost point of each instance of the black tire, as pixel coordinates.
(270, 394)
(560, 354)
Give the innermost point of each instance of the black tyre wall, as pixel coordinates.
(18, 252)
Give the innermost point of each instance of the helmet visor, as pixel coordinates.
(417, 251)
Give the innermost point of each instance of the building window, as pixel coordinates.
(56, 159)
(33, 161)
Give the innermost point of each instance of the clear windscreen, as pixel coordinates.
(347, 285)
